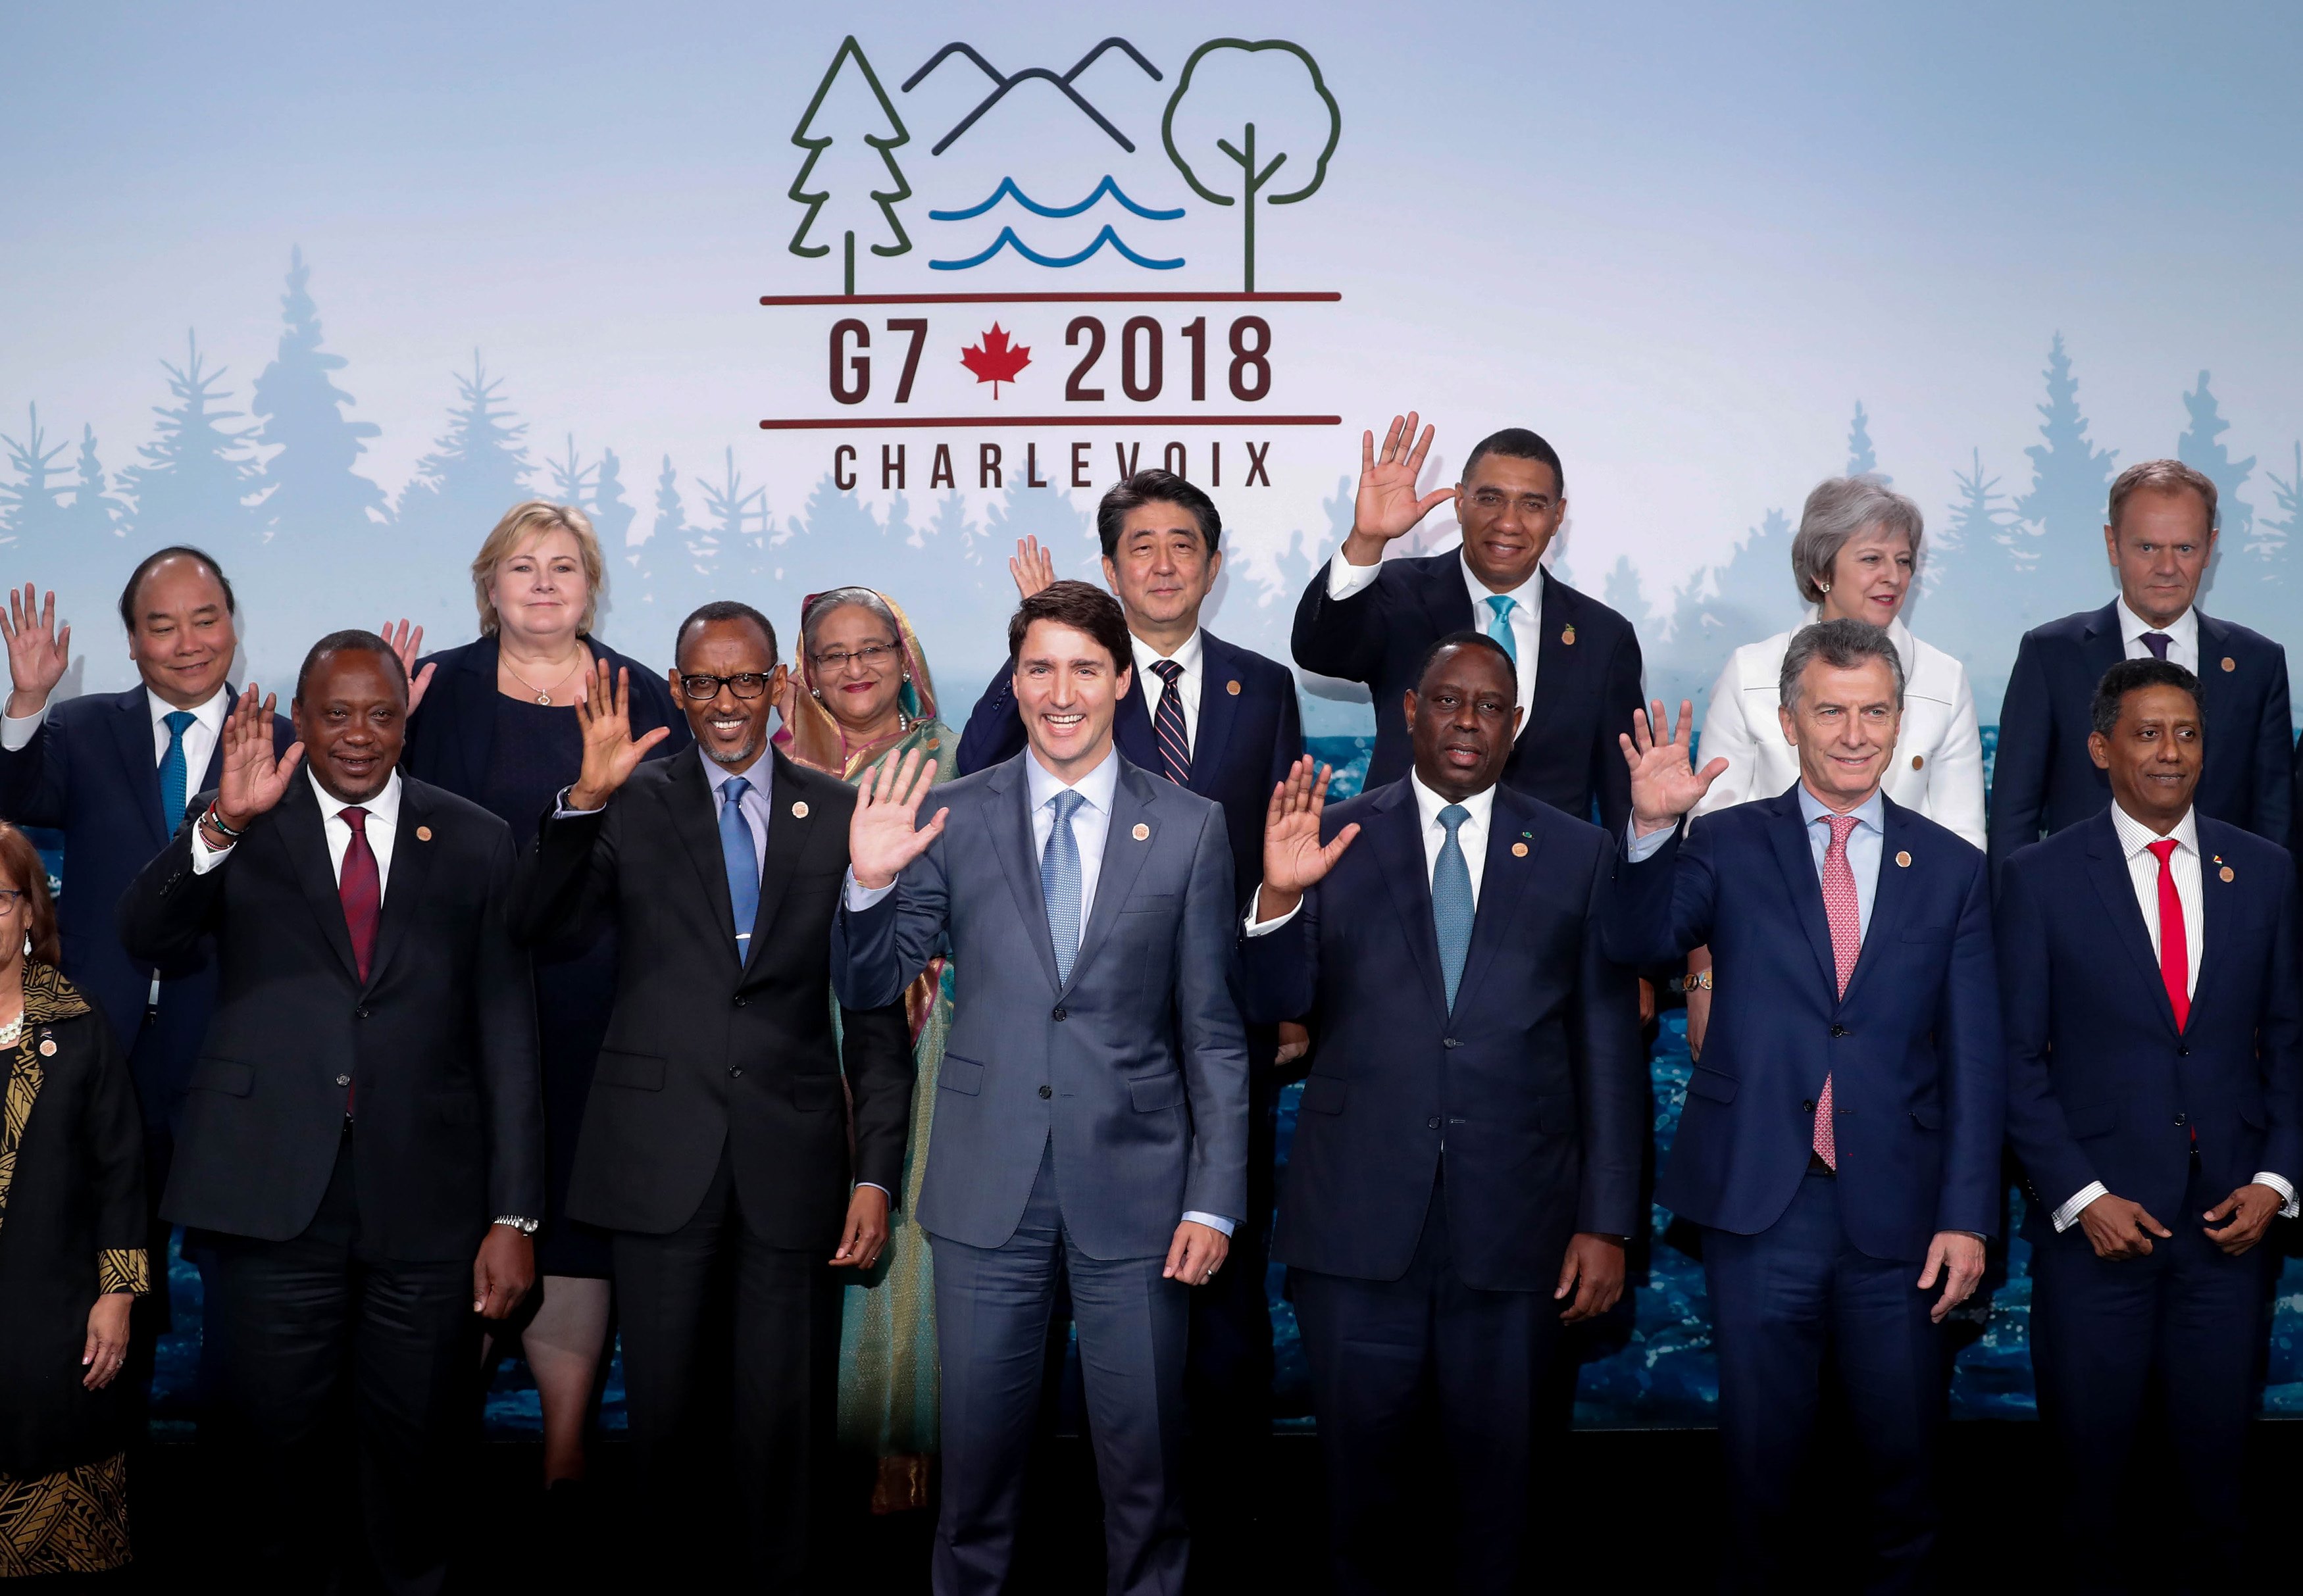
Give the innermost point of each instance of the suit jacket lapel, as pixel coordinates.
(2107, 868)
(1796, 858)
(1556, 675)
(131, 732)
(302, 832)
(696, 822)
(2218, 904)
(1131, 722)
(1219, 708)
(1133, 803)
(1503, 880)
(473, 692)
(789, 836)
(1009, 818)
(1889, 894)
(1445, 599)
(1396, 832)
(2103, 646)
(2218, 693)
(405, 885)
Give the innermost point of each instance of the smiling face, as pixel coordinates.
(1870, 578)
(2153, 754)
(857, 667)
(1510, 511)
(1067, 688)
(540, 590)
(2160, 548)
(1161, 568)
(731, 730)
(351, 716)
(184, 638)
(1845, 727)
(1461, 718)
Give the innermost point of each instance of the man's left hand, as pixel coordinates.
(866, 1234)
(1593, 1270)
(1195, 1254)
(2239, 1221)
(1958, 1257)
(406, 639)
(502, 1273)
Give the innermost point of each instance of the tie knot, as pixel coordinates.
(177, 720)
(356, 818)
(1166, 670)
(2156, 642)
(2163, 850)
(733, 789)
(1453, 816)
(1065, 803)
(1842, 827)
(1503, 604)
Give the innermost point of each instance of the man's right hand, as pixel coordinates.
(883, 835)
(253, 779)
(37, 652)
(1387, 506)
(1294, 861)
(1664, 784)
(603, 710)
(2118, 1229)
(1033, 566)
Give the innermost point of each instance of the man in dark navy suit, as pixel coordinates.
(1577, 662)
(113, 773)
(1468, 1154)
(2156, 1096)
(1222, 721)
(2161, 538)
(1840, 1144)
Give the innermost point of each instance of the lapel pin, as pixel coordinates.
(424, 834)
(1918, 760)
(1142, 833)
(2229, 874)
(1519, 850)
(2230, 663)
(1232, 688)
(934, 743)
(1567, 635)
(1902, 862)
(47, 1047)
(799, 809)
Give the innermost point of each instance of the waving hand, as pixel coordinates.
(610, 752)
(1294, 859)
(884, 836)
(253, 779)
(407, 641)
(37, 651)
(1664, 784)
(1387, 506)
(1033, 566)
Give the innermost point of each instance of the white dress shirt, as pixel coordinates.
(1187, 684)
(2182, 637)
(2135, 840)
(383, 825)
(1345, 579)
(200, 737)
(1471, 837)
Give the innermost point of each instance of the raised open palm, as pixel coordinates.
(1295, 860)
(407, 641)
(603, 712)
(1386, 505)
(38, 652)
(1033, 566)
(1665, 785)
(883, 835)
(252, 778)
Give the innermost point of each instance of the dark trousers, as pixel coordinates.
(1393, 1360)
(309, 1332)
(992, 1312)
(731, 1352)
(1786, 1304)
(2188, 1321)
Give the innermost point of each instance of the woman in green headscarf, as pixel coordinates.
(861, 697)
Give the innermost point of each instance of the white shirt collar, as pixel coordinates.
(1429, 803)
(383, 807)
(1872, 812)
(1530, 592)
(1186, 654)
(2135, 836)
(2184, 629)
(1099, 787)
(210, 714)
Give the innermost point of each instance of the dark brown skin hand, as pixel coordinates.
(2118, 1229)
(866, 1232)
(502, 1273)
(1593, 1270)
(2239, 1221)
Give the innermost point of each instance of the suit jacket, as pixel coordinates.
(703, 1052)
(452, 734)
(1135, 1065)
(2042, 778)
(436, 1049)
(89, 772)
(1585, 690)
(2101, 1086)
(1913, 1050)
(1247, 739)
(1533, 1089)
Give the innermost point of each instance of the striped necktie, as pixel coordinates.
(1167, 725)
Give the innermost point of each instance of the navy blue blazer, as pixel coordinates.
(2101, 1085)
(1587, 677)
(1913, 1050)
(2042, 779)
(1249, 732)
(451, 736)
(90, 773)
(1533, 1089)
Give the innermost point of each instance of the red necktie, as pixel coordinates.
(1845, 912)
(360, 886)
(2175, 947)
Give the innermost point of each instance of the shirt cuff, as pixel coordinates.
(2278, 1183)
(1214, 1221)
(1638, 849)
(2068, 1215)
(561, 810)
(860, 897)
(883, 1191)
(1264, 927)
(16, 731)
(1345, 578)
(206, 855)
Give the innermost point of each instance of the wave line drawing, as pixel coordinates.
(1009, 240)
(1005, 82)
(1007, 189)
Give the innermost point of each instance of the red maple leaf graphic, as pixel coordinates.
(994, 359)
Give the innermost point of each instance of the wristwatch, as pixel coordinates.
(526, 1227)
(1697, 981)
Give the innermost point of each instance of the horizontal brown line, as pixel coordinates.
(1145, 299)
(863, 423)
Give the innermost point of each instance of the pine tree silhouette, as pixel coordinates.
(734, 544)
(612, 513)
(29, 509)
(95, 513)
(571, 480)
(198, 477)
(1862, 460)
(671, 523)
(1622, 591)
(315, 490)
(2201, 449)
(477, 470)
(2071, 478)
(1749, 597)
(2274, 546)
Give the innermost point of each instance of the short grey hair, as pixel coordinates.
(819, 607)
(1837, 510)
(1842, 645)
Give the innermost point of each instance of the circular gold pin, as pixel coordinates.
(2228, 874)
(1232, 688)
(1142, 832)
(1903, 861)
(47, 1047)
(2230, 663)
(1519, 850)
(424, 834)
(1918, 760)
(935, 743)
(1567, 635)
(799, 809)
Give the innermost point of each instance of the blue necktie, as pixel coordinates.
(742, 864)
(1451, 900)
(1060, 882)
(175, 779)
(1499, 626)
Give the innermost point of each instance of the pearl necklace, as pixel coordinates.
(10, 1032)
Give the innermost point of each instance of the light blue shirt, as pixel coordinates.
(1865, 845)
(755, 803)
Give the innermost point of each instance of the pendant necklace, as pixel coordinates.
(543, 696)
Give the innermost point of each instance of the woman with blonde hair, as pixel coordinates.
(498, 725)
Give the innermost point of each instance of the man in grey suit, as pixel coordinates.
(1091, 1115)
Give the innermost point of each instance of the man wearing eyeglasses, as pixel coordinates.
(1364, 618)
(716, 1144)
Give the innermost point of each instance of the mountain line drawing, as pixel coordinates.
(1009, 189)
(1004, 82)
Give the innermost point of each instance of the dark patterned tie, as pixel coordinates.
(2158, 641)
(1168, 726)
(360, 885)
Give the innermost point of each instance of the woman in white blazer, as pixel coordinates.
(1855, 557)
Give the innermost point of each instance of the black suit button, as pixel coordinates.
(741, 1000)
(2181, 1121)
(360, 1012)
(1047, 1092)
(1807, 1106)
(1838, 1031)
(2182, 1053)
(344, 1081)
(1058, 1014)
(736, 1072)
(1451, 1042)
(1431, 1124)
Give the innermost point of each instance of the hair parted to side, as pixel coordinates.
(1465, 639)
(2163, 476)
(534, 518)
(1836, 512)
(1843, 645)
(1517, 443)
(819, 609)
(351, 641)
(28, 873)
(1154, 487)
(1082, 609)
(721, 610)
(144, 568)
(2133, 676)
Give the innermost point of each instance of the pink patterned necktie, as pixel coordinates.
(1846, 917)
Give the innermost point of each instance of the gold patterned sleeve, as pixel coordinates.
(123, 1269)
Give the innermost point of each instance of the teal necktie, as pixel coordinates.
(175, 777)
(1451, 900)
(1499, 626)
